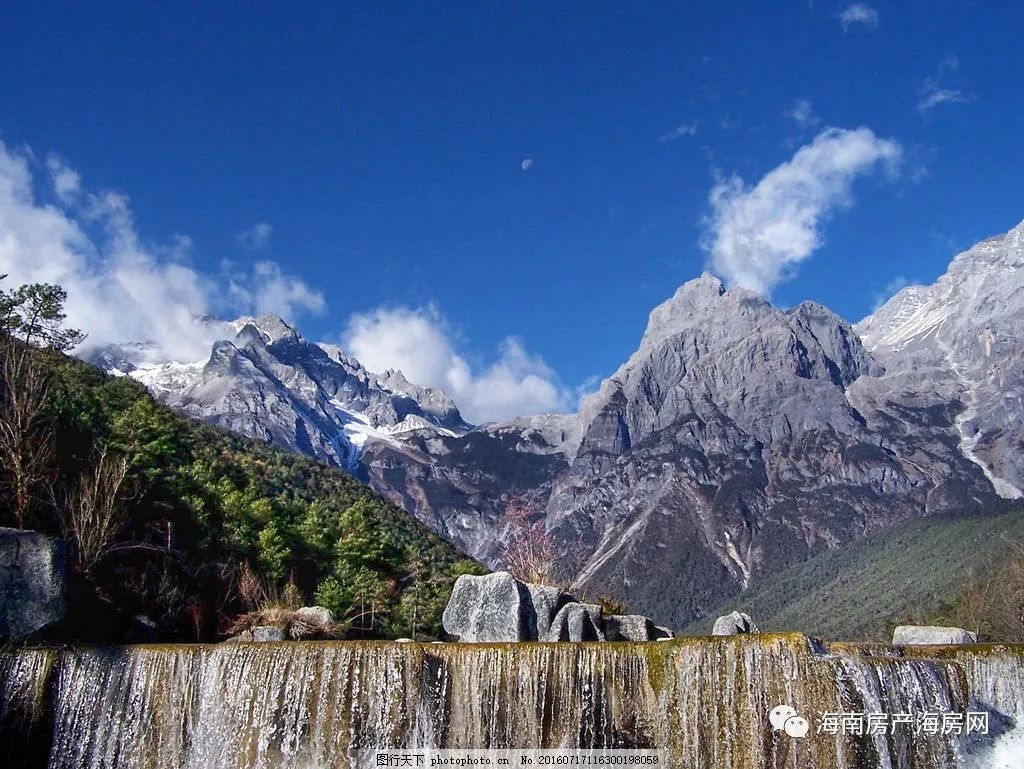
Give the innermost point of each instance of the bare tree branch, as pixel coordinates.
(95, 513)
(531, 554)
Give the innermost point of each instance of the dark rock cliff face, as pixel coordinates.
(738, 439)
(32, 575)
(463, 485)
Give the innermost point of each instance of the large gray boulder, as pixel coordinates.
(734, 623)
(573, 623)
(495, 607)
(910, 635)
(628, 627)
(547, 601)
(32, 571)
(311, 622)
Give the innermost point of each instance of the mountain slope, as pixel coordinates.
(738, 440)
(208, 524)
(269, 383)
(961, 337)
(862, 590)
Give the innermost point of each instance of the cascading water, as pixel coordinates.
(313, 705)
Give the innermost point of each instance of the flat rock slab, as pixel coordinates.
(628, 627)
(911, 635)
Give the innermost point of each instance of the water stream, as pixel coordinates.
(312, 705)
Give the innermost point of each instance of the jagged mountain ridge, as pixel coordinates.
(738, 438)
(270, 383)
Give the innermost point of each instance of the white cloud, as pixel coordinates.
(859, 13)
(932, 96)
(935, 90)
(66, 181)
(418, 342)
(256, 237)
(679, 132)
(267, 289)
(120, 288)
(802, 113)
(755, 236)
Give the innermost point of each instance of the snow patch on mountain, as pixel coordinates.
(268, 382)
(961, 337)
(168, 377)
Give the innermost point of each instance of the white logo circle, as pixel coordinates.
(797, 726)
(779, 715)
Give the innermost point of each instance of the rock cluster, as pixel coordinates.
(498, 607)
(31, 582)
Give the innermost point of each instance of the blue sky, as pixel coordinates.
(381, 147)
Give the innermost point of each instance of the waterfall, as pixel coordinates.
(312, 705)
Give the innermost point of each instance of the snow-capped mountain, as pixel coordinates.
(964, 336)
(737, 439)
(269, 383)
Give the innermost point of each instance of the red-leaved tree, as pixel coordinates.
(531, 554)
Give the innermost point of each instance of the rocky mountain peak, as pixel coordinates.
(843, 353)
(701, 302)
(729, 357)
(394, 379)
(981, 289)
(271, 328)
(691, 297)
(248, 335)
(1000, 253)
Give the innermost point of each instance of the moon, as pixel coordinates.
(527, 164)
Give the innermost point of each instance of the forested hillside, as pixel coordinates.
(962, 571)
(175, 528)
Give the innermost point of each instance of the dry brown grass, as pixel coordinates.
(296, 627)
